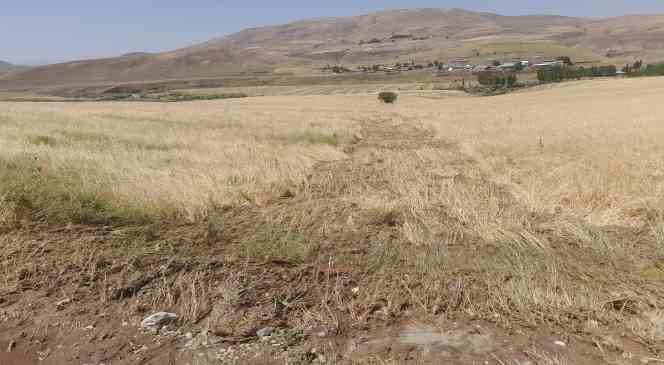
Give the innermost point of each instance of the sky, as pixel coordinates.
(38, 32)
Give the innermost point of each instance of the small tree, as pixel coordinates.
(511, 80)
(496, 79)
(566, 60)
(388, 97)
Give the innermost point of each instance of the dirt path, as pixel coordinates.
(342, 266)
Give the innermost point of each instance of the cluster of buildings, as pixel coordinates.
(513, 65)
(463, 65)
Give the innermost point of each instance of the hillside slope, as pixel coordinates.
(389, 36)
(7, 67)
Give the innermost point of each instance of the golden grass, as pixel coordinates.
(591, 148)
(177, 158)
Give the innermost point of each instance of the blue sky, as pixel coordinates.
(33, 31)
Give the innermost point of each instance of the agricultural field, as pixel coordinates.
(525, 228)
(342, 89)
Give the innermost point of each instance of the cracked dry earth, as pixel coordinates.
(360, 295)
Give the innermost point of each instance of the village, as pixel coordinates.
(460, 65)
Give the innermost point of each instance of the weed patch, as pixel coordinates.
(42, 140)
(309, 137)
(85, 137)
(291, 248)
(384, 217)
(61, 194)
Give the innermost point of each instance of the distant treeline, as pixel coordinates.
(562, 73)
(649, 70)
(497, 79)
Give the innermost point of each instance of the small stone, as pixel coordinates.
(11, 346)
(89, 328)
(265, 332)
(560, 343)
(355, 290)
(158, 320)
(62, 303)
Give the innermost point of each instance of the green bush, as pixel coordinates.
(566, 60)
(388, 97)
(649, 70)
(497, 79)
(558, 74)
(42, 140)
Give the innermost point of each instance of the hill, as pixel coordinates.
(383, 37)
(6, 67)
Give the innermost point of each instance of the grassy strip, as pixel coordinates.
(290, 248)
(64, 194)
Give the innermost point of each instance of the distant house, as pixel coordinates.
(480, 68)
(507, 66)
(548, 64)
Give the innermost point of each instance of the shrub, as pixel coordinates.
(566, 60)
(496, 79)
(339, 69)
(557, 74)
(388, 97)
(42, 140)
(649, 70)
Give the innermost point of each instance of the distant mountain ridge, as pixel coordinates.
(382, 37)
(6, 66)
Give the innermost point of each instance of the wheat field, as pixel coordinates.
(593, 149)
(542, 206)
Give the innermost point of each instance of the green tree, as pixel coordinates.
(566, 60)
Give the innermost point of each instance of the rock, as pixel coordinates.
(61, 304)
(158, 320)
(11, 346)
(265, 332)
(560, 343)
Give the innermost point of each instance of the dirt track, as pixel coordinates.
(355, 294)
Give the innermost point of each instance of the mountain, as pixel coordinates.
(383, 37)
(6, 67)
